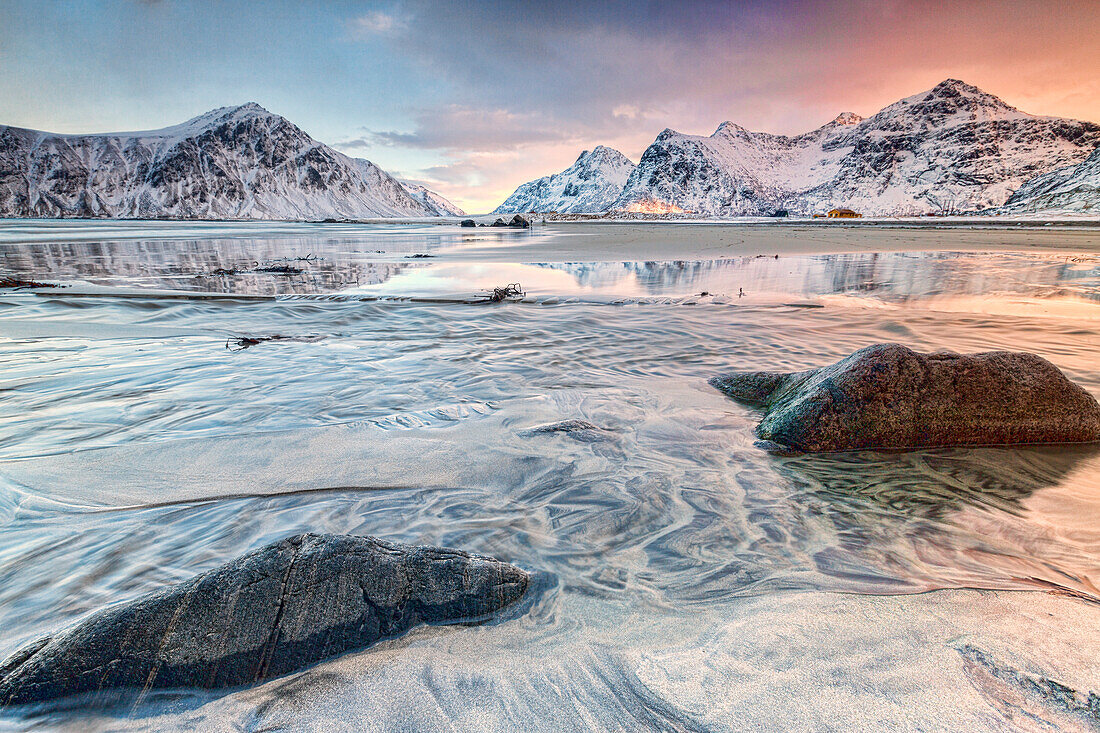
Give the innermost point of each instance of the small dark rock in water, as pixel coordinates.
(467, 223)
(516, 221)
(563, 426)
(888, 396)
(581, 430)
(268, 613)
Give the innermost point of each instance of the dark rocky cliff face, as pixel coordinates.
(1074, 189)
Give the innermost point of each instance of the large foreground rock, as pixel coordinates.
(888, 396)
(271, 612)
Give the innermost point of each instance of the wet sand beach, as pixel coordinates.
(687, 580)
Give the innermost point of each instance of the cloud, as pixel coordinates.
(784, 66)
(457, 127)
(375, 23)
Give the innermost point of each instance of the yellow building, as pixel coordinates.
(844, 214)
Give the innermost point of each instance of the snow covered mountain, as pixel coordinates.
(590, 185)
(952, 148)
(231, 163)
(1074, 189)
(437, 205)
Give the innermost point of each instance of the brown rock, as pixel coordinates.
(889, 396)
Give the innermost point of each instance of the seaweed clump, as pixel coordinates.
(511, 290)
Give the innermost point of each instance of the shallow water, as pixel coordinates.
(141, 442)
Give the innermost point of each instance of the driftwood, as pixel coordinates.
(511, 290)
(269, 268)
(278, 269)
(11, 281)
(240, 343)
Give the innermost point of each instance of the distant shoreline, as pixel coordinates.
(610, 240)
(978, 221)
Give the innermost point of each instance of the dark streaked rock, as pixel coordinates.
(467, 223)
(516, 221)
(581, 430)
(268, 613)
(888, 396)
(563, 426)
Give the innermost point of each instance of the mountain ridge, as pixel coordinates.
(951, 148)
(236, 162)
(591, 184)
(1072, 189)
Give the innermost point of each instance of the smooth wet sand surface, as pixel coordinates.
(602, 241)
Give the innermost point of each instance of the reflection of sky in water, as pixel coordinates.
(963, 282)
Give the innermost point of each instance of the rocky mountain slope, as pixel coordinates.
(591, 184)
(1074, 189)
(437, 205)
(952, 148)
(231, 163)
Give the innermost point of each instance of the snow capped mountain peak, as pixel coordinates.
(730, 129)
(251, 107)
(239, 162)
(587, 186)
(952, 102)
(953, 147)
(222, 115)
(601, 155)
(958, 88)
(248, 109)
(847, 118)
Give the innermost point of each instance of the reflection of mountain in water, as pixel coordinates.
(194, 264)
(894, 275)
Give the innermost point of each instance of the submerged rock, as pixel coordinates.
(888, 396)
(581, 430)
(563, 426)
(268, 613)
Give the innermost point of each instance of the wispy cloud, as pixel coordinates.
(456, 127)
(376, 23)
